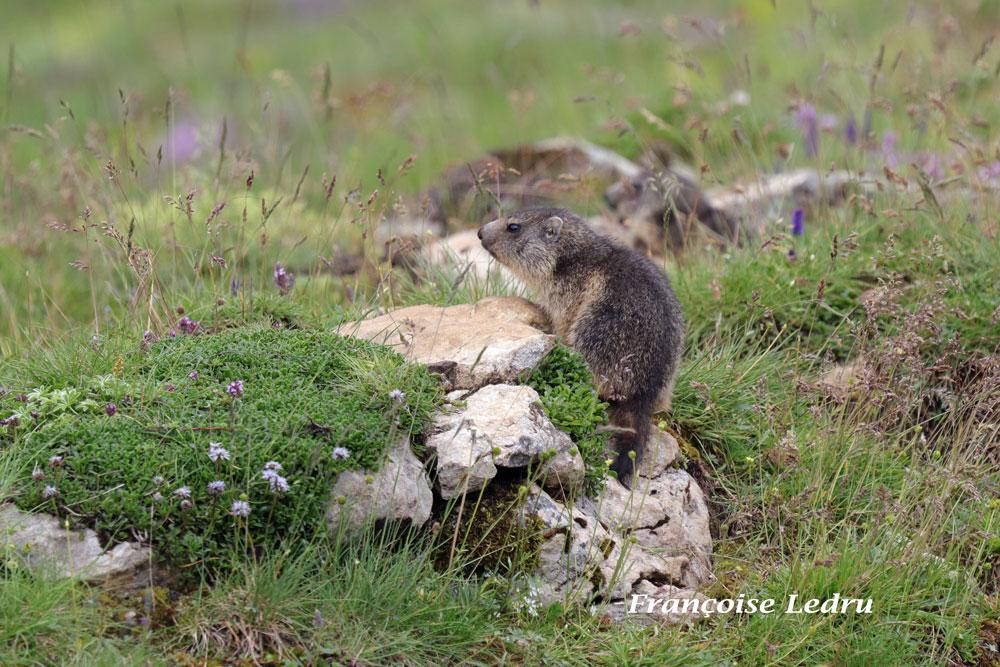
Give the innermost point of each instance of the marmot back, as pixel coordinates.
(608, 302)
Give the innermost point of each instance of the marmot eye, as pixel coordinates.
(513, 227)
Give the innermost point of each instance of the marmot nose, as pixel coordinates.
(480, 234)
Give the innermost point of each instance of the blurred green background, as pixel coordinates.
(183, 96)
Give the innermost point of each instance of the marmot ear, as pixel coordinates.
(553, 226)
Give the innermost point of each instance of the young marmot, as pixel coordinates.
(610, 303)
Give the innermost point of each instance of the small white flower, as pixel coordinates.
(341, 453)
(240, 508)
(217, 452)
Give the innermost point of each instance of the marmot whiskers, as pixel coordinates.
(608, 302)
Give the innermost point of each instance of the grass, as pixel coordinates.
(304, 125)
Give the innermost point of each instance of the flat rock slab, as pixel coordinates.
(43, 544)
(470, 345)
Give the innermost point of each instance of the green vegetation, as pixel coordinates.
(135, 446)
(567, 392)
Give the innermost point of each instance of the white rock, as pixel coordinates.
(42, 543)
(661, 451)
(656, 536)
(506, 418)
(667, 515)
(471, 345)
(581, 557)
(770, 193)
(463, 252)
(399, 491)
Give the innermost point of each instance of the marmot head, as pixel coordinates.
(530, 241)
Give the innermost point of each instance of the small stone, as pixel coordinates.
(43, 543)
(398, 491)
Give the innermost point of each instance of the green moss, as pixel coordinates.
(305, 393)
(493, 536)
(570, 399)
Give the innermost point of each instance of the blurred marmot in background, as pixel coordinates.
(610, 303)
(668, 196)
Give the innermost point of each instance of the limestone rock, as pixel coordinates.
(471, 345)
(506, 418)
(621, 610)
(771, 193)
(399, 491)
(462, 252)
(661, 451)
(42, 543)
(655, 536)
(667, 515)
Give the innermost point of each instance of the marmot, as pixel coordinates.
(610, 303)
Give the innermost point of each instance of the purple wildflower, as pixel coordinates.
(111, 409)
(805, 118)
(183, 492)
(851, 130)
(930, 164)
(278, 483)
(341, 453)
(186, 504)
(283, 279)
(272, 465)
(172, 333)
(397, 395)
(50, 492)
(56, 461)
(798, 222)
(159, 481)
(148, 337)
(792, 255)
(37, 474)
(235, 388)
(170, 387)
(193, 375)
(889, 149)
(240, 508)
(989, 173)
(187, 325)
(216, 488)
(182, 141)
(828, 122)
(157, 497)
(217, 452)
(127, 400)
